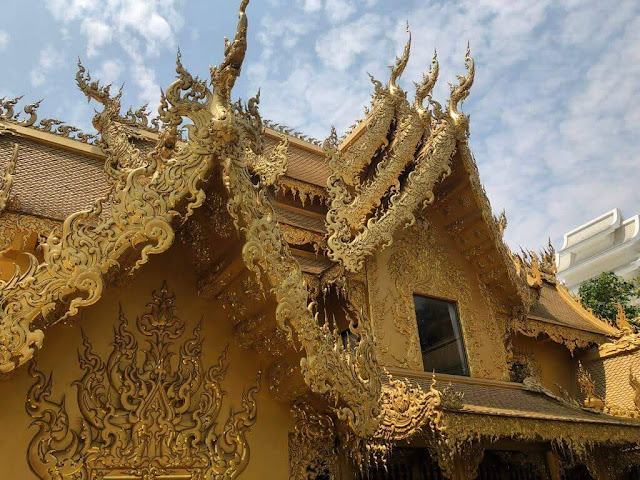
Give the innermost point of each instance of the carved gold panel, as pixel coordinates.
(422, 262)
(148, 411)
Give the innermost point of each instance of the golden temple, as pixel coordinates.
(210, 295)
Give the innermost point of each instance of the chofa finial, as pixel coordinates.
(460, 92)
(400, 65)
(424, 88)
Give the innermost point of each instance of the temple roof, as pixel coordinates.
(509, 400)
(554, 307)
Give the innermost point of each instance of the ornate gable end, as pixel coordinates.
(424, 261)
(149, 381)
(153, 194)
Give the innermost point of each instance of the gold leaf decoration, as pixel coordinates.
(388, 166)
(142, 413)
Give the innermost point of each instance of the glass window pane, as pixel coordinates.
(440, 336)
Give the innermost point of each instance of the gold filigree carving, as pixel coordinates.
(7, 178)
(299, 236)
(145, 203)
(291, 132)
(588, 389)
(382, 173)
(312, 452)
(270, 168)
(306, 192)
(50, 125)
(142, 413)
(14, 225)
(153, 194)
(407, 410)
(419, 264)
(569, 337)
(634, 381)
(538, 267)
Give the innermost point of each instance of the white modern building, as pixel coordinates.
(608, 242)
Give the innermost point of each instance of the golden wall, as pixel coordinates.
(550, 362)
(425, 261)
(267, 437)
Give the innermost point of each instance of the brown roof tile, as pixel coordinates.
(513, 400)
(50, 181)
(553, 307)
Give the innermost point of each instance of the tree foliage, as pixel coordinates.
(603, 293)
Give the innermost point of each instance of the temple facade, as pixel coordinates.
(210, 295)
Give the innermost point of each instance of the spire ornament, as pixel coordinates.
(400, 65)
(459, 93)
(383, 174)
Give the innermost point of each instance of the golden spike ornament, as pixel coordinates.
(141, 413)
(270, 168)
(383, 173)
(424, 88)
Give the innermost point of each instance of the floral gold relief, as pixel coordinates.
(150, 410)
(419, 264)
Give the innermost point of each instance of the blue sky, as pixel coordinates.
(555, 110)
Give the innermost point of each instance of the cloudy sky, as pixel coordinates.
(555, 110)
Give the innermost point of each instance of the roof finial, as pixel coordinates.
(401, 63)
(460, 92)
(424, 89)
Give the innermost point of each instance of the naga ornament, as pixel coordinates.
(386, 169)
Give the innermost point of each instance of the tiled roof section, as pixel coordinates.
(55, 182)
(553, 307)
(52, 182)
(304, 165)
(611, 376)
(308, 222)
(312, 265)
(513, 400)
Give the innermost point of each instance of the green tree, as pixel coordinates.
(603, 293)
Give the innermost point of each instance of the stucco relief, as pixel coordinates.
(420, 263)
(144, 414)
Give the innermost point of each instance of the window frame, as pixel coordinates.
(455, 303)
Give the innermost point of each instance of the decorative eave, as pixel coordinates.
(460, 419)
(572, 338)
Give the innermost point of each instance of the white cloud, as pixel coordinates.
(4, 39)
(50, 58)
(148, 88)
(110, 71)
(151, 22)
(311, 6)
(340, 46)
(339, 10)
(98, 34)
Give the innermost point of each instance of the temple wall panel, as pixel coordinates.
(267, 437)
(549, 362)
(424, 261)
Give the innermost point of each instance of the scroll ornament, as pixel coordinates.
(149, 197)
(142, 413)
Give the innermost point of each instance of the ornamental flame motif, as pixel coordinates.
(149, 411)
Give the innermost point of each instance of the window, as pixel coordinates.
(440, 336)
